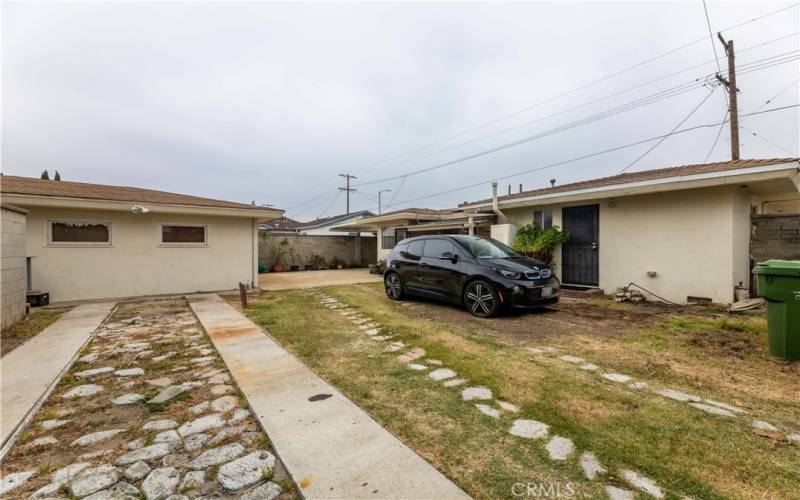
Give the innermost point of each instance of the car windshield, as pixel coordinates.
(487, 248)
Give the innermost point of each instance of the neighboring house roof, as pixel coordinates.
(11, 184)
(642, 176)
(284, 224)
(333, 219)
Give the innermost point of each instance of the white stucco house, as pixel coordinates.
(680, 232)
(90, 241)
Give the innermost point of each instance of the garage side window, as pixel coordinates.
(78, 233)
(184, 234)
(543, 218)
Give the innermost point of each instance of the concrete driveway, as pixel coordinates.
(312, 279)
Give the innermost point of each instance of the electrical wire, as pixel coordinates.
(589, 155)
(577, 89)
(330, 205)
(693, 111)
(719, 132)
(711, 37)
(758, 136)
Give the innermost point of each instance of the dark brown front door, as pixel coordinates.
(580, 255)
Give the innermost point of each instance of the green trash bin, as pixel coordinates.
(779, 283)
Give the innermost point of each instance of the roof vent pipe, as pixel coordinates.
(501, 217)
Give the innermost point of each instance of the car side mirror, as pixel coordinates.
(449, 256)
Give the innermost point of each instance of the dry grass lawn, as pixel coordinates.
(28, 327)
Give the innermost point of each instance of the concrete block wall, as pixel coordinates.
(342, 247)
(13, 276)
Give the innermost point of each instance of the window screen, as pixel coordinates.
(183, 234)
(435, 248)
(80, 232)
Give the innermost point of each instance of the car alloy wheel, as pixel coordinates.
(394, 289)
(480, 299)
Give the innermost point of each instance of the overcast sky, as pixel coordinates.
(270, 101)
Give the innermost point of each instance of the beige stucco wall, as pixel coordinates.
(136, 264)
(14, 275)
(695, 240)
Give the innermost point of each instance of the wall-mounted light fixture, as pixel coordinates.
(138, 209)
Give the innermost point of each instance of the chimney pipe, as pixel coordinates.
(552, 183)
(501, 217)
(520, 187)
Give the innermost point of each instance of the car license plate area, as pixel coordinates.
(547, 291)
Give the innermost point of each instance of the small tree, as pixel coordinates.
(45, 176)
(539, 243)
(57, 176)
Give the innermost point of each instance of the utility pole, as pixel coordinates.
(730, 84)
(348, 189)
(379, 198)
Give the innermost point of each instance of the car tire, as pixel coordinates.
(393, 286)
(481, 299)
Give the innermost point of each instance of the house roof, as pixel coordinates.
(323, 221)
(11, 184)
(644, 175)
(283, 224)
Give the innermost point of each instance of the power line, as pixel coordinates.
(711, 37)
(719, 132)
(759, 136)
(634, 162)
(586, 156)
(330, 205)
(528, 108)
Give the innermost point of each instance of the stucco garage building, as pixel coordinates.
(680, 231)
(89, 241)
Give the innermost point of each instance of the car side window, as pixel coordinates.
(400, 247)
(436, 247)
(415, 249)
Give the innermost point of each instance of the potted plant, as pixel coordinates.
(295, 258)
(278, 255)
(309, 263)
(539, 243)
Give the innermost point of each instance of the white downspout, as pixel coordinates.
(501, 217)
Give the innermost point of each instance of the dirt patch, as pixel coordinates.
(28, 327)
(724, 343)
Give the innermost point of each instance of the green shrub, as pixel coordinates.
(539, 243)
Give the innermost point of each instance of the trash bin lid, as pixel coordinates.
(778, 267)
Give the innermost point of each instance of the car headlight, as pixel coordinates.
(509, 274)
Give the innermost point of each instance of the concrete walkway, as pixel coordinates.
(311, 279)
(29, 372)
(331, 447)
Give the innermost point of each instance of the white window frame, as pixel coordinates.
(160, 235)
(82, 244)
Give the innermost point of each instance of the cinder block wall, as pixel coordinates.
(343, 247)
(14, 270)
(775, 237)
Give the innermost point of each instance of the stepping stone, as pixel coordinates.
(714, 410)
(146, 454)
(678, 395)
(42, 441)
(92, 480)
(120, 491)
(455, 382)
(205, 352)
(160, 425)
(160, 483)
(201, 424)
(128, 399)
(764, 426)
(411, 355)
(200, 407)
(224, 404)
(203, 359)
(161, 382)
(195, 441)
(530, 429)
(144, 354)
(726, 406)
(14, 480)
(136, 444)
(169, 437)
(95, 372)
(219, 378)
(167, 393)
(637, 385)
(487, 410)
(508, 406)
(589, 367)
(192, 479)
(615, 493)
(219, 390)
(246, 471)
(83, 391)
(380, 338)
(224, 434)
(216, 456)
(560, 448)
(591, 466)
(96, 437)
(158, 359)
(434, 362)
(192, 384)
(89, 358)
(373, 331)
(394, 347)
(53, 424)
(136, 471)
(238, 416)
(66, 474)
(572, 359)
(616, 377)
(266, 491)
(642, 483)
(471, 393)
(442, 374)
(416, 367)
(129, 372)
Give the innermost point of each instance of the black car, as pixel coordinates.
(482, 274)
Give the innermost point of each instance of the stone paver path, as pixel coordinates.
(108, 432)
